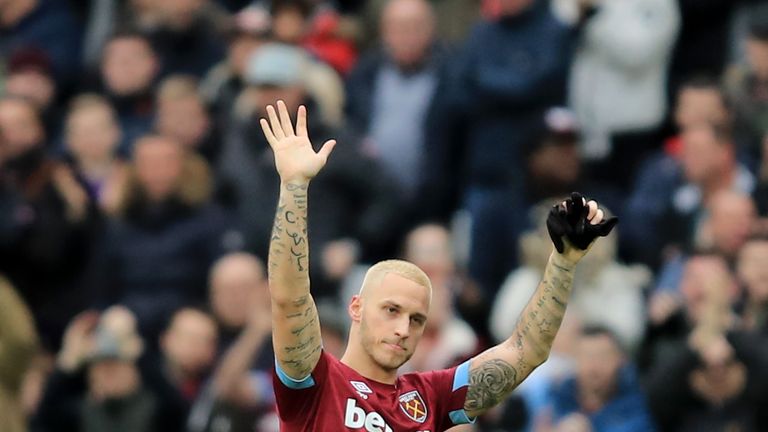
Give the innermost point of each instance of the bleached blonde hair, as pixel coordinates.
(408, 270)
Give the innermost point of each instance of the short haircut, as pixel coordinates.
(706, 82)
(88, 101)
(408, 270)
(594, 330)
(177, 87)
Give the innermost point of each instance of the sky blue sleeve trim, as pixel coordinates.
(291, 383)
(460, 417)
(461, 376)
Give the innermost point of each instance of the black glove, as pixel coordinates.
(571, 221)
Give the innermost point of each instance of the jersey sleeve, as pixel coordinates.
(295, 398)
(454, 383)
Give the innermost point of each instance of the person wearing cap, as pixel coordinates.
(354, 218)
(96, 385)
(555, 165)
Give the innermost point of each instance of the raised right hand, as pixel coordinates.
(295, 158)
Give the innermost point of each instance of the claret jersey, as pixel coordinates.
(336, 398)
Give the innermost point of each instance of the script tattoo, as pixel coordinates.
(496, 372)
(297, 332)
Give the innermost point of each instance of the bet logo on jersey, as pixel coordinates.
(413, 406)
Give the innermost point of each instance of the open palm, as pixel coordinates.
(295, 158)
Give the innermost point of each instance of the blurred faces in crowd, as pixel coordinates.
(408, 31)
(129, 65)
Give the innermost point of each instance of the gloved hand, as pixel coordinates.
(573, 219)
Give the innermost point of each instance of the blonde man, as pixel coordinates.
(362, 390)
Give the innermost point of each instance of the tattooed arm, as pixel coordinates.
(295, 325)
(496, 372)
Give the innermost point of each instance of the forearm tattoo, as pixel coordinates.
(288, 270)
(496, 372)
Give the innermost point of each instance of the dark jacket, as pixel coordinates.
(156, 259)
(484, 114)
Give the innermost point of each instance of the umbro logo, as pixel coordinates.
(361, 388)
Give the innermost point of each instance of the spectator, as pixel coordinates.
(554, 165)
(753, 276)
(18, 342)
(155, 256)
(608, 293)
(448, 339)
(47, 25)
(673, 315)
(731, 220)
(748, 85)
(92, 136)
(391, 89)
(97, 386)
(129, 68)
(699, 100)
(510, 70)
(30, 76)
(241, 393)
(715, 378)
(179, 375)
(46, 221)
(361, 214)
(183, 116)
(604, 394)
(224, 81)
(617, 84)
(188, 39)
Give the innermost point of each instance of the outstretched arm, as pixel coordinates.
(295, 325)
(496, 372)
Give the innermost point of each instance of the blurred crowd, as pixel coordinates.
(137, 195)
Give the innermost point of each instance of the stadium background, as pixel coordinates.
(137, 195)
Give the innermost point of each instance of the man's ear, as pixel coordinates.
(355, 308)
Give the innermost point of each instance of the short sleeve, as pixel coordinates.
(297, 396)
(453, 382)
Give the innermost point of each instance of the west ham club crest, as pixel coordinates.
(413, 406)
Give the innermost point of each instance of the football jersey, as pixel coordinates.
(336, 398)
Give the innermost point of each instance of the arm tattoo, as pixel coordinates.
(495, 373)
(489, 384)
(296, 330)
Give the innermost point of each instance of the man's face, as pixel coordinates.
(757, 56)
(235, 289)
(407, 30)
(112, 379)
(21, 127)
(392, 320)
(753, 270)
(92, 133)
(183, 119)
(240, 49)
(732, 218)
(33, 85)
(158, 165)
(129, 66)
(598, 362)
(190, 342)
(697, 105)
(703, 157)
